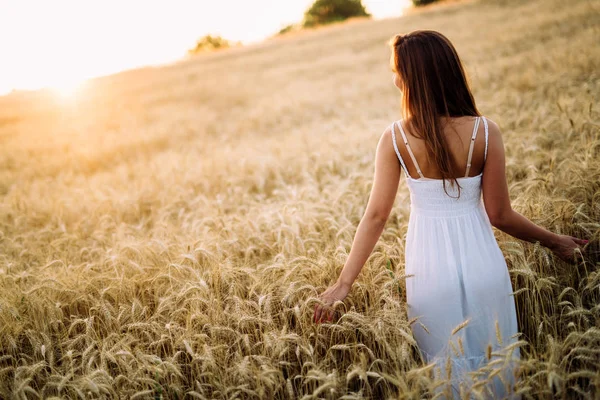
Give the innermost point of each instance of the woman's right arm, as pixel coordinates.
(500, 212)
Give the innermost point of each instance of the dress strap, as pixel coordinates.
(396, 149)
(475, 128)
(412, 156)
(485, 124)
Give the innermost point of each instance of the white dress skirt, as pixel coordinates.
(458, 274)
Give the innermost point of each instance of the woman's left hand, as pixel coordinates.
(338, 291)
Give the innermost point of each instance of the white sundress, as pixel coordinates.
(458, 273)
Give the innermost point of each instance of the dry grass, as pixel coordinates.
(167, 234)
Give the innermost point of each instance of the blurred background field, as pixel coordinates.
(164, 232)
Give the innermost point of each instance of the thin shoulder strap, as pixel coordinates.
(412, 156)
(396, 149)
(475, 129)
(485, 124)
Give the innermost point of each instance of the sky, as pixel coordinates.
(59, 43)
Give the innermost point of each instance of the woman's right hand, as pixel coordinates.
(337, 291)
(564, 247)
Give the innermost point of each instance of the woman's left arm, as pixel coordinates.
(381, 201)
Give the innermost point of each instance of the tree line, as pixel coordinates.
(321, 12)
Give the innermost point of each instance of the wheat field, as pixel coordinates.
(165, 234)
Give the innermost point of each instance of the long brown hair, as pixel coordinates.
(434, 86)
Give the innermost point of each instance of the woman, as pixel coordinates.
(455, 270)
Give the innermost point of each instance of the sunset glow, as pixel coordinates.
(68, 89)
(61, 43)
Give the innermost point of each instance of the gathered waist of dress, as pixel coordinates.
(447, 208)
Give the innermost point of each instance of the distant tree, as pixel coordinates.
(327, 11)
(209, 43)
(418, 3)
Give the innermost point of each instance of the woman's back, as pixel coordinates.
(458, 290)
(458, 133)
(451, 251)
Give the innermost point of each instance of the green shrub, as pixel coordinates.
(327, 11)
(208, 43)
(418, 3)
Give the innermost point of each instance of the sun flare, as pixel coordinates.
(68, 89)
(130, 42)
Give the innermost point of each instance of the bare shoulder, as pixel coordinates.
(493, 128)
(385, 146)
(388, 131)
(385, 139)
